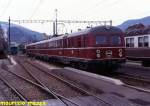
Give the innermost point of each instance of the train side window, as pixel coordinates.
(127, 42)
(78, 42)
(140, 41)
(131, 42)
(73, 42)
(70, 42)
(64, 43)
(59, 43)
(83, 40)
(50, 44)
(67, 42)
(146, 41)
(101, 39)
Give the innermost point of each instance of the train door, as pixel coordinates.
(78, 46)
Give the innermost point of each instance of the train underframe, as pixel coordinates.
(95, 66)
(2, 54)
(145, 61)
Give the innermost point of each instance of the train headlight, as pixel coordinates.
(108, 53)
(120, 52)
(98, 55)
(98, 51)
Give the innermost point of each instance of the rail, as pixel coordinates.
(70, 84)
(56, 95)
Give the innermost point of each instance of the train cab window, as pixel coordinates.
(115, 39)
(140, 41)
(145, 39)
(101, 40)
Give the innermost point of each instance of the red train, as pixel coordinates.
(97, 47)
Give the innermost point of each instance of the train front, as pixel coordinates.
(109, 48)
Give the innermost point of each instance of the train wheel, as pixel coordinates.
(72, 64)
(83, 66)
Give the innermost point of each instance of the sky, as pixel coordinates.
(99, 10)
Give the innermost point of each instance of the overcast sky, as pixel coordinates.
(115, 10)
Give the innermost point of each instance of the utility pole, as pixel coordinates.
(9, 41)
(54, 28)
(56, 23)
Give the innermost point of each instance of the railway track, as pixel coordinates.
(30, 66)
(25, 87)
(62, 99)
(57, 96)
(133, 73)
(133, 80)
(13, 89)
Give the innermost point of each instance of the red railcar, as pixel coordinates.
(98, 46)
(137, 40)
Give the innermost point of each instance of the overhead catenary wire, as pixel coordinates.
(63, 21)
(36, 8)
(95, 5)
(6, 8)
(99, 5)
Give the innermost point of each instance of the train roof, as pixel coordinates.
(97, 29)
(48, 40)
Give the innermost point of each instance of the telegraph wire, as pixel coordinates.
(94, 6)
(36, 8)
(6, 8)
(100, 5)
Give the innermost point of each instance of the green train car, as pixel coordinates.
(14, 48)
